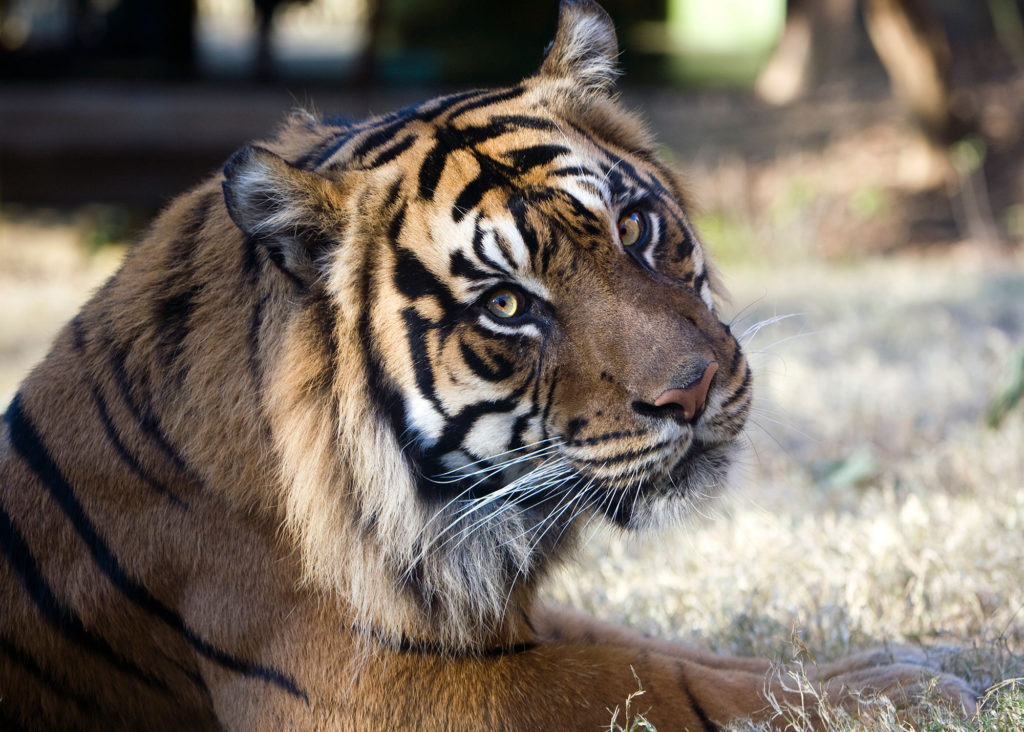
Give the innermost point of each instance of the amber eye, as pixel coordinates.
(632, 228)
(504, 304)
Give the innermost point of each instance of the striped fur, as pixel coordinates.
(290, 468)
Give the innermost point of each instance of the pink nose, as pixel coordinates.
(691, 398)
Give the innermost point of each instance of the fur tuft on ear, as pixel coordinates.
(290, 212)
(585, 49)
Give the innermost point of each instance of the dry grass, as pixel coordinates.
(874, 506)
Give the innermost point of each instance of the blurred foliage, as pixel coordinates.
(1010, 392)
(870, 201)
(731, 238)
(467, 40)
(105, 225)
(721, 43)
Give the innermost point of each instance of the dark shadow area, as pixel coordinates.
(129, 102)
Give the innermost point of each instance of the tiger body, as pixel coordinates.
(303, 461)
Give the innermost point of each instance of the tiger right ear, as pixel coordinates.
(585, 49)
(289, 211)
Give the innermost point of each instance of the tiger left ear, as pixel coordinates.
(288, 211)
(585, 49)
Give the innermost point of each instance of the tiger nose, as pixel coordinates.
(692, 397)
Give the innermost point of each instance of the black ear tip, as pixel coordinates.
(242, 157)
(237, 161)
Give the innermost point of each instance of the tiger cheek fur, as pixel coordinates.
(303, 461)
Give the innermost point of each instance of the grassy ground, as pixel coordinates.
(875, 505)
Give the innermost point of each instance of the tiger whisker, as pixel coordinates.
(524, 493)
(542, 453)
(500, 454)
(520, 485)
(751, 332)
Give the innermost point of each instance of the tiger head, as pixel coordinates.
(503, 327)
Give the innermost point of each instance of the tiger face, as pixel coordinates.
(535, 316)
(561, 348)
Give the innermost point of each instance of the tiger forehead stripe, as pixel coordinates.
(449, 140)
(374, 134)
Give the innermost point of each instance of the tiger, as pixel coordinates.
(306, 459)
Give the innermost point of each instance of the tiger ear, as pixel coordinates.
(585, 49)
(289, 211)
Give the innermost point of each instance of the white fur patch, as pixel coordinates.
(423, 417)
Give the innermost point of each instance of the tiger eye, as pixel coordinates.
(504, 304)
(631, 228)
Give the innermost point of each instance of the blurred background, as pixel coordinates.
(858, 170)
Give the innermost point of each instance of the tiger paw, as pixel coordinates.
(904, 675)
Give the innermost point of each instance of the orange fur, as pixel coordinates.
(239, 491)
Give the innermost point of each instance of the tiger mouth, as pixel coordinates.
(697, 472)
(698, 475)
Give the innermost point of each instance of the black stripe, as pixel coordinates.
(502, 95)
(627, 456)
(255, 328)
(449, 139)
(604, 437)
(506, 250)
(508, 122)
(684, 686)
(386, 156)
(423, 111)
(407, 645)
(684, 248)
(171, 315)
(171, 312)
(250, 259)
(517, 207)
(127, 457)
(416, 329)
(501, 370)
(474, 191)
(29, 445)
(492, 175)
(414, 280)
(434, 108)
(326, 149)
(379, 137)
(457, 426)
(382, 391)
(432, 167)
(525, 159)
(31, 667)
(698, 283)
(737, 356)
(574, 171)
(478, 249)
(396, 224)
(142, 412)
(78, 338)
(62, 618)
(740, 391)
(7, 722)
(459, 265)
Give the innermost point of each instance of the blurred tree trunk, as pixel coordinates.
(366, 65)
(819, 45)
(816, 46)
(912, 46)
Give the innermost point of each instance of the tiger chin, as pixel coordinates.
(304, 460)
